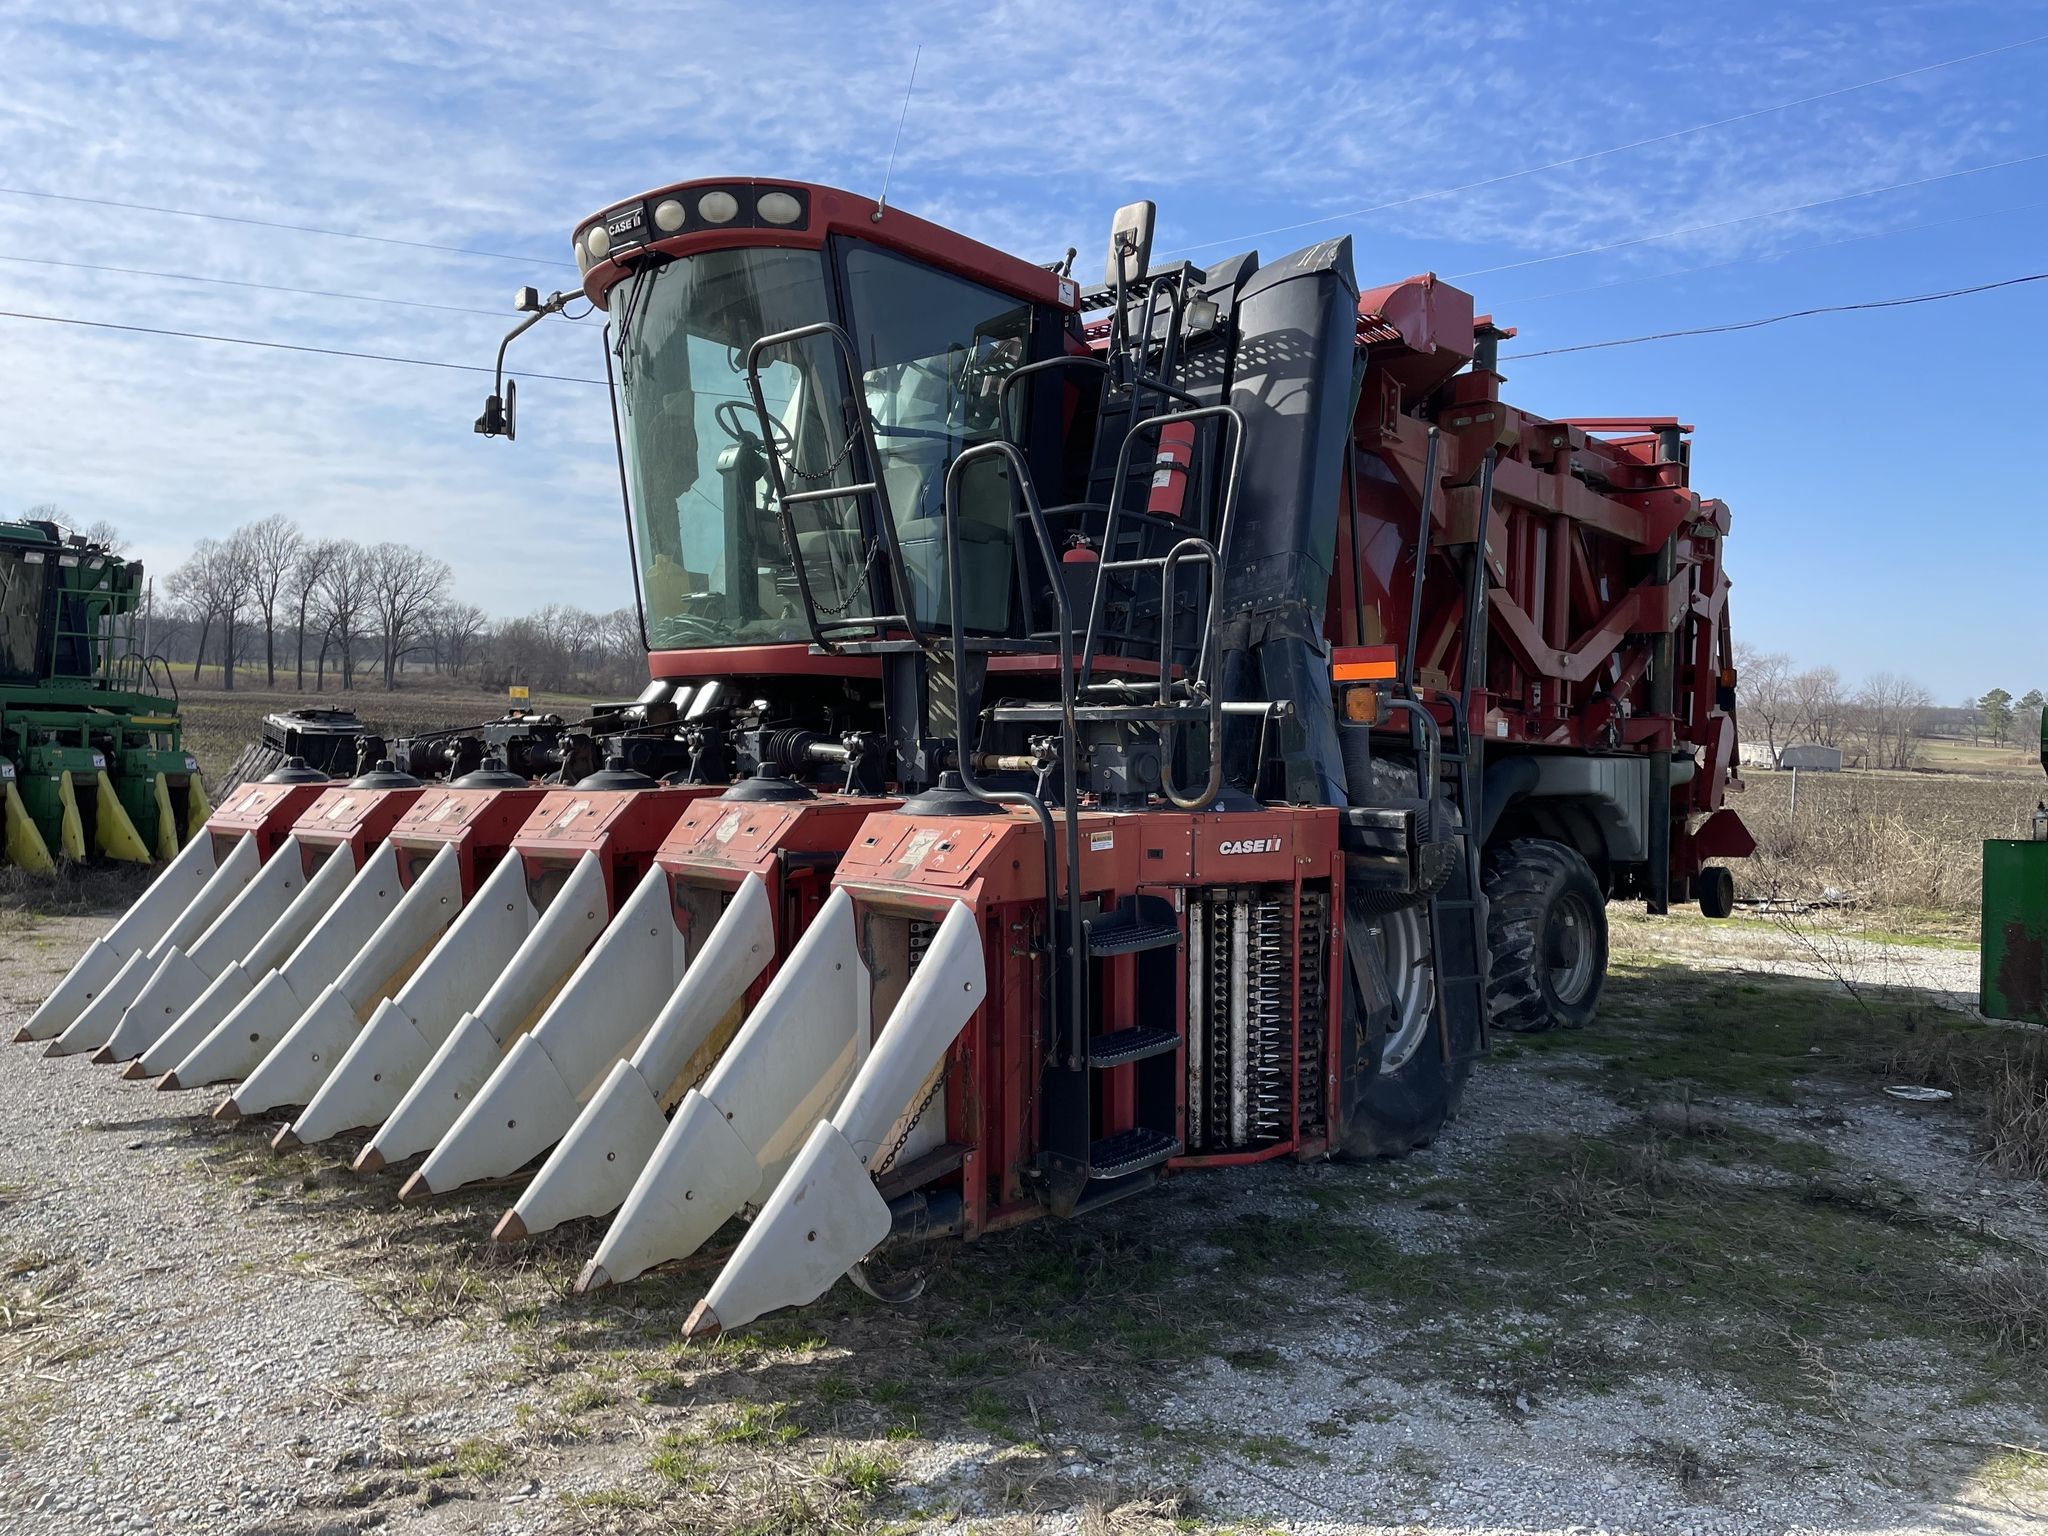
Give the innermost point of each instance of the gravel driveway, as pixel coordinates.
(201, 1336)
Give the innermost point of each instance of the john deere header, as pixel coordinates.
(91, 763)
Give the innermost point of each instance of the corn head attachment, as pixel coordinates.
(579, 854)
(178, 906)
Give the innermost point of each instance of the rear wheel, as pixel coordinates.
(1547, 928)
(1716, 887)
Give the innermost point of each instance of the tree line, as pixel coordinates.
(338, 614)
(1884, 722)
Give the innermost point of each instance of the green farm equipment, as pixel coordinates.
(2016, 919)
(92, 764)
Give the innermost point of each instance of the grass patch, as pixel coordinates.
(759, 1424)
(482, 1459)
(679, 1462)
(862, 1472)
(1750, 1278)
(586, 1398)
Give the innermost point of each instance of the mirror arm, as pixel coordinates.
(555, 304)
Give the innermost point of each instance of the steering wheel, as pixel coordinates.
(738, 418)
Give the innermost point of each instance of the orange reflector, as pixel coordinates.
(1373, 671)
(1362, 706)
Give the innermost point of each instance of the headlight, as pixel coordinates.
(598, 241)
(718, 207)
(779, 208)
(668, 215)
(582, 256)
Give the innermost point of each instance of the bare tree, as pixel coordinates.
(213, 587)
(238, 578)
(308, 571)
(1890, 712)
(1763, 694)
(456, 629)
(1818, 706)
(107, 536)
(346, 597)
(274, 545)
(407, 583)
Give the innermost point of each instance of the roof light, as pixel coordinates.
(598, 241)
(582, 256)
(718, 207)
(779, 208)
(668, 216)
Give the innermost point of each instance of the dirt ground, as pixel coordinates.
(1688, 1270)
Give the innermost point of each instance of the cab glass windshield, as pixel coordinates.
(713, 567)
(934, 349)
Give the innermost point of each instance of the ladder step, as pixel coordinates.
(1117, 935)
(1108, 1193)
(1130, 1151)
(1133, 1044)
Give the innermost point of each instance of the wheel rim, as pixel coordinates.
(1403, 941)
(1571, 950)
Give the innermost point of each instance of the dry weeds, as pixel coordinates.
(1898, 842)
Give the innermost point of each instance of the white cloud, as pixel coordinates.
(483, 126)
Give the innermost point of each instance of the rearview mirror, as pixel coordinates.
(499, 417)
(1130, 237)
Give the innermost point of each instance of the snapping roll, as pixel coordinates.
(411, 970)
(601, 1013)
(237, 978)
(182, 977)
(730, 1140)
(340, 939)
(608, 1139)
(473, 1042)
(81, 1014)
(826, 1215)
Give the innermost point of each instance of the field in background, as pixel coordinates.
(1946, 754)
(1898, 843)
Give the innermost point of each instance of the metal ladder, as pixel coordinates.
(825, 631)
(1457, 923)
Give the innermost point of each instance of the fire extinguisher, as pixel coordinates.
(1170, 469)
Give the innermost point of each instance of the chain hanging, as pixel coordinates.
(888, 1158)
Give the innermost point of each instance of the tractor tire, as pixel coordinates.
(1399, 1109)
(1404, 1094)
(1716, 887)
(1547, 928)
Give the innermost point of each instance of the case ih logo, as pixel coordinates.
(1251, 845)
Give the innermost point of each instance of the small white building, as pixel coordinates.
(1814, 759)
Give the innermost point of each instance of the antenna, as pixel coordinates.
(882, 202)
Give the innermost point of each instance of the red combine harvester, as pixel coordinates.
(1154, 726)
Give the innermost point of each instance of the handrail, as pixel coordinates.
(1022, 490)
(1405, 683)
(863, 425)
(1235, 422)
(1204, 551)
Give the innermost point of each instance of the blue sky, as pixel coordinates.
(1881, 467)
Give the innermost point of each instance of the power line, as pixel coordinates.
(288, 346)
(1747, 218)
(1790, 250)
(1599, 154)
(300, 229)
(1796, 314)
(233, 282)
